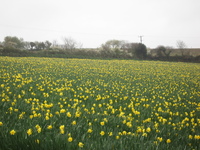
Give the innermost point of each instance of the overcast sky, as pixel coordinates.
(93, 22)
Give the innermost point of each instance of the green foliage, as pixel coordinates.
(48, 44)
(138, 50)
(32, 44)
(13, 42)
(98, 104)
(112, 49)
(163, 51)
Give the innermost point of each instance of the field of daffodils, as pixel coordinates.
(54, 103)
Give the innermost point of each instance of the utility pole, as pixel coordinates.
(140, 38)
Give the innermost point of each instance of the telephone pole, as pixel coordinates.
(140, 38)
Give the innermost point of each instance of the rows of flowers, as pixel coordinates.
(51, 103)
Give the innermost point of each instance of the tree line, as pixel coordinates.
(14, 46)
(110, 49)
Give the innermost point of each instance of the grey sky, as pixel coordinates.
(93, 22)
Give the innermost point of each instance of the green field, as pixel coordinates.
(52, 103)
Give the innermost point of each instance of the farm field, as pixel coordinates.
(54, 103)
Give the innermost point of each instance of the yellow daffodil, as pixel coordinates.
(12, 132)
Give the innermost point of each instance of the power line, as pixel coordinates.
(65, 31)
(130, 36)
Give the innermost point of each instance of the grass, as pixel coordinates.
(54, 103)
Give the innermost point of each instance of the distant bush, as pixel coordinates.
(141, 51)
(138, 50)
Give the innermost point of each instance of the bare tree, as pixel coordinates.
(112, 48)
(114, 44)
(71, 44)
(56, 46)
(54, 43)
(181, 46)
